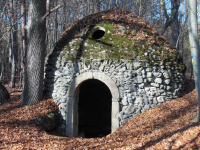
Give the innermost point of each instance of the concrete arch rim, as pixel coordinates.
(72, 103)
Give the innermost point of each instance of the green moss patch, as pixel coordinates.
(122, 41)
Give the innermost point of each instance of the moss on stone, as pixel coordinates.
(121, 41)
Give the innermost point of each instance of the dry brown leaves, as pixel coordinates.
(162, 127)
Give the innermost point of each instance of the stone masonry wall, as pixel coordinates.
(140, 87)
(145, 68)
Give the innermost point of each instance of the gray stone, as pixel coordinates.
(158, 80)
(150, 98)
(145, 99)
(162, 86)
(145, 108)
(155, 100)
(57, 64)
(168, 88)
(152, 88)
(147, 89)
(149, 93)
(166, 75)
(148, 70)
(138, 100)
(130, 109)
(137, 64)
(149, 79)
(160, 90)
(164, 94)
(126, 87)
(138, 79)
(149, 74)
(157, 94)
(133, 97)
(153, 105)
(122, 69)
(157, 74)
(124, 121)
(121, 113)
(161, 99)
(167, 81)
(141, 91)
(129, 66)
(155, 85)
(141, 86)
(138, 111)
(125, 116)
(129, 95)
(124, 102)
(130, 100)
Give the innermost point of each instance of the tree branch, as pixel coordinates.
(169, 19)
(52, 10)
(164, 9)
(10, 28)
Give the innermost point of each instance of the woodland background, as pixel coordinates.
(165, 126)
(169, 17)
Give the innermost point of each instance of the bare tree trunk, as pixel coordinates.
(34, 68)
(55, 29)
(64, 15)
(93, 6)
(4, 95)
(14, 44)
(24, 42)
(48, 29)
(194, 46)
(175, 25)
(169, 19)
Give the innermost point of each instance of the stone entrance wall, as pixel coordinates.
(140, 68)
(134, 87)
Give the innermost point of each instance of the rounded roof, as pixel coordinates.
(127, 36)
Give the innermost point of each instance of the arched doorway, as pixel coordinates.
(94, 109)
(73, 99)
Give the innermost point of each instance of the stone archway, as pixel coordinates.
(73, 97)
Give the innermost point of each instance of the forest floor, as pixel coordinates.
(162, 127)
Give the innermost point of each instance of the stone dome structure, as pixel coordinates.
(108, 67)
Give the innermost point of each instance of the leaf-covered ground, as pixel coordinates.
(162, 127)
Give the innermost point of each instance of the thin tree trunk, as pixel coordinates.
(34, 69)
(48, 29)
(14, 45)
(64, 15)
(194, 46)
(175, 25)
(24, 42)
(55, 25)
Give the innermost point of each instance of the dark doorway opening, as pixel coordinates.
(94, 109)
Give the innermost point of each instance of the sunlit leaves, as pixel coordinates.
(162, 127)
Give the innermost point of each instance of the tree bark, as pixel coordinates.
(24, 42)
(194, 46)
(4, 95)
(175, 24)
(34, 68)
(13, 43)
(169, 20)
(93, 6)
